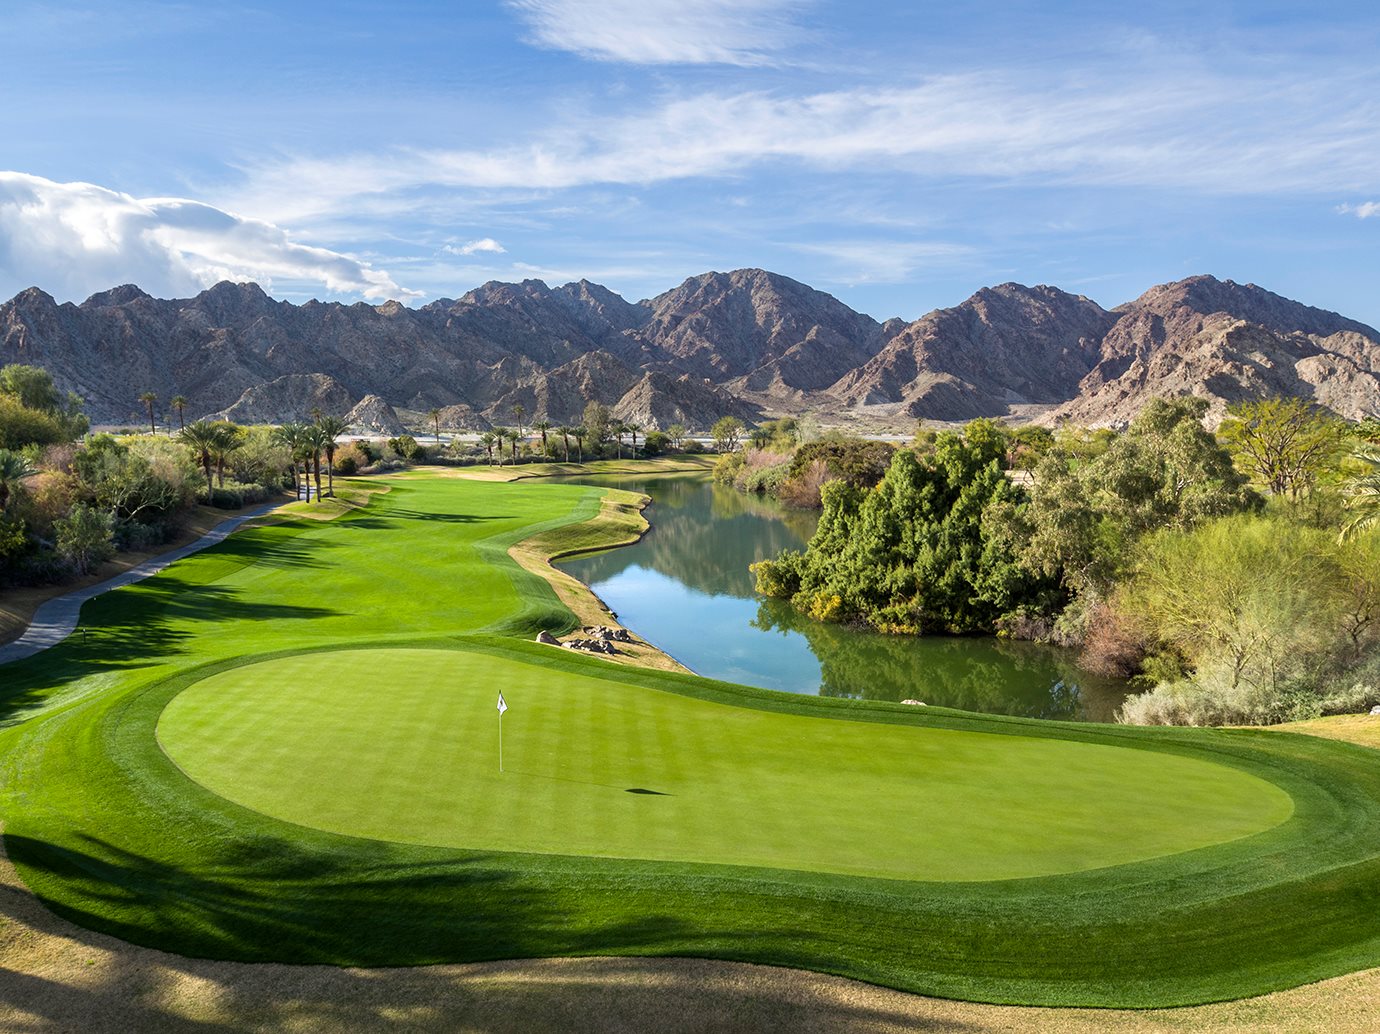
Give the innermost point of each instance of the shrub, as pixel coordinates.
(85, 537)
(408, 448)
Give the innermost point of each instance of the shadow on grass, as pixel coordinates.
(392, 517)
(134, 628)
(259, 899)
(258, 909)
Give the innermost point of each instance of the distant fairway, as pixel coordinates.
(410, 754)
(284, 748)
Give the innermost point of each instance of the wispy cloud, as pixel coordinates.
(884, 261)
(1364, 210)
(485, 244)
(1201, 131)
(656, 32)
(78, 238)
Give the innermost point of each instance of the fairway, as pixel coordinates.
(595, 767)
(285, 749)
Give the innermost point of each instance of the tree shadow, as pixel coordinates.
(135, 627)
(256, 898)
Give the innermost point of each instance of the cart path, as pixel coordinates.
(57, 618)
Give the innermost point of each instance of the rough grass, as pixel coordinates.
(106, 829)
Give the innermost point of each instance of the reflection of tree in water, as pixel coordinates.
(703, 535)
(990, 675)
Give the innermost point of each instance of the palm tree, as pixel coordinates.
(579, 433)
(434, 415)
(179, 403)
(331, 428)
(487, 440)
(519, 411)
(543, 426)
(228, 437)
(14, 468)
(292, 435)
(564, 432)
(314, 445)
(202, 437)
(1362, 492)
(513, 438)
(618, 427)
(148, 398)
(632, 429)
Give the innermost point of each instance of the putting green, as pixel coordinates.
(401, 745)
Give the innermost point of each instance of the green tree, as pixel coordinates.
(294, 436)
(1285, 444)
(32, 386)
(33, 411)
(915, 552)
(598, 423)
(85, 537)
(331, 428)
(226, 438)
(1362, 492)
(203, 438)
(14, 468)
(676, 432)
(1166, 470)
(179, 405)
(543, 426)
(148, 398)
(727, 432)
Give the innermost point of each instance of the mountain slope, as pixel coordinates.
(747, 342)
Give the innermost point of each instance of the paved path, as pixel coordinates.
(56, 619)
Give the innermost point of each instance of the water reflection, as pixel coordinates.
(686, 587)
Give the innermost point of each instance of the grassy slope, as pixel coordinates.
(106, 829)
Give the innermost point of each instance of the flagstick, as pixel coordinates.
(500, 741)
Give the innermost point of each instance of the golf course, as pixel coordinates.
(286, 748)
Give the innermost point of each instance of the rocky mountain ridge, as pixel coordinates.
(749, 343)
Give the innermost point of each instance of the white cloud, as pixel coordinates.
(653, 32)
(74, 239)
(485, 244)
(1174, 129)
(885, 261)
(1364, 210)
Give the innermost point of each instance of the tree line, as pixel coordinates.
(1234, 576)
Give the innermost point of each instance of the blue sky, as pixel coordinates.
(898, 155)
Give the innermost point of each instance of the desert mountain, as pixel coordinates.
(747, 342)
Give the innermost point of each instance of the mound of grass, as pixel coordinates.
(319, 673)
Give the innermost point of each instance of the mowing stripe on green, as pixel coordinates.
(402, 745)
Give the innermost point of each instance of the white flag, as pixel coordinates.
(502, 706)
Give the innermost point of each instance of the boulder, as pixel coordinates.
(914, 703)
(546, 637)
(1375, 710)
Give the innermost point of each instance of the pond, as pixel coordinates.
(686, 588)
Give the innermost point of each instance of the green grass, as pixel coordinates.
(341, 674)
(415, 760)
